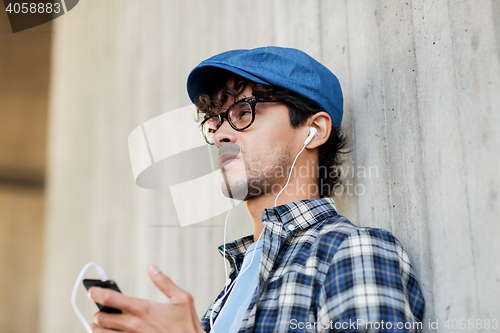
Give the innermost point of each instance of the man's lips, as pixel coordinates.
(226, 158)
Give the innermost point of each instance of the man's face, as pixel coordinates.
(256, 161)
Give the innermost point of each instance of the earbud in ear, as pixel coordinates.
(312, 133)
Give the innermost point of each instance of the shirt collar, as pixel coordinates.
(235, 251)
(291, 217)
(299, 215)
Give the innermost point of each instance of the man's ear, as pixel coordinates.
(323, 124)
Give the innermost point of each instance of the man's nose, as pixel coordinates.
(224, 134)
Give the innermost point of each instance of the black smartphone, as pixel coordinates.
(110, 284)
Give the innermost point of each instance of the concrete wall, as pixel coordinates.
(420, 80)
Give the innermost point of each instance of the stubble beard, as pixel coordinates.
(263, 176)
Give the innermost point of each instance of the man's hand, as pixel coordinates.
(138, 315)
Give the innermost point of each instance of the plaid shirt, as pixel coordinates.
(321, 273)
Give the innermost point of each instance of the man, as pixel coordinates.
(275, 114)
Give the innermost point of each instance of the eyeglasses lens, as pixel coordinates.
(240, 115)
(209, 129)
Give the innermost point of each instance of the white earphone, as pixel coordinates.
(312, 133)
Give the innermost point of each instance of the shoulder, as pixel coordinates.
(338, 238)
(341, 249)
(368, 266)
(337, 246)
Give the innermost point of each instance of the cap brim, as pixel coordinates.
(203, 78)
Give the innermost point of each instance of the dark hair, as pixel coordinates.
(300, 108)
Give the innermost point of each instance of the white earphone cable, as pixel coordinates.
(224, 251)
(290, 175)
(103, 276)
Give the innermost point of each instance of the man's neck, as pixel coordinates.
(296, 190)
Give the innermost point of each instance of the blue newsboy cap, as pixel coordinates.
(276, 66)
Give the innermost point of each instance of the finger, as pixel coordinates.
(111, 321)
(163, 282)
(113, 299)
(97, 329)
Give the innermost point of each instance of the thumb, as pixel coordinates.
(162, 282)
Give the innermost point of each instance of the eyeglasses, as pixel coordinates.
(240, 116)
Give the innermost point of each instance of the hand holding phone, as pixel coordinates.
(109, 284)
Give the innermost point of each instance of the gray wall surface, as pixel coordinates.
(421, 82)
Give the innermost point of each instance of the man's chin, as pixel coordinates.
(233, 187)
(236, 193)
(241, 191)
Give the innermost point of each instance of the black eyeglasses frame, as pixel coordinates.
(252, 100)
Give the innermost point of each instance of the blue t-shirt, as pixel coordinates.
(231, 315)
